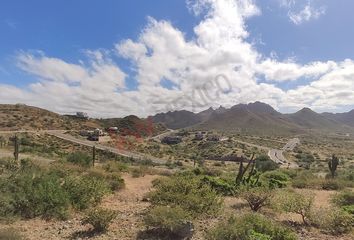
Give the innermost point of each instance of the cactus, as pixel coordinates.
(332, 165)
(240, 178)
(93, 155)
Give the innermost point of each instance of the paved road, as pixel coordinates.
(61, 134)
(277, 155)
(124, 153)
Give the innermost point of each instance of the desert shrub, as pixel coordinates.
(331, 184)
(220, 185)
(332, 220)
(7, 208)
(171, 221)
(349, 209)
(275, 179)
(306, 179)
(189, 193)
(34, 196)
(115, 166)
(344, 198)
(294, 202)
(257, 197)
(138, 171)
(80, 158)
(63, 170)
(250, 226)
(340, 222)
(264, 163)
(85, 191)
(114, 180)
(305, 158)
(10, 234)
(100, 219)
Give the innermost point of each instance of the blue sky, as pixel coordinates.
(43, 44)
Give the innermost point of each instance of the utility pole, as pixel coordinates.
(16, 147)
(93, 155)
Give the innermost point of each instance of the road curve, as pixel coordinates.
(277, 155)
(124, 153)
(61, 134)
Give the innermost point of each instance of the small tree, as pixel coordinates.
(257, 197)
(294, 202)
(333, 164)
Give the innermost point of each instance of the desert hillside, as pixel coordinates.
(23, 117)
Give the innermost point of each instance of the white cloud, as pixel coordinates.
(290, 71)
(162, 52)
(308, 13)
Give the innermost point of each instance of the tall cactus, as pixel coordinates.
(332, 164)
(16, 147)
(93, 155)
(240, 178)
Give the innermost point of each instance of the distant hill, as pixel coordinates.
(255, 117)
(345, 118)
(23, 117)
(177, 119)
(308, 119)
(258, 118)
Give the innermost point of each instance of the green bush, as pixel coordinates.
(349, 209)
(167, 220)
(189, 193)
(100, 219)
(264, 163)
(80, 158)
(115, 181)
(275, 179)
(7, 208)
(34, 196)
(250, 226)
(220, 185)
(85, 191)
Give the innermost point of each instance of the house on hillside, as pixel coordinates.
(171, 140)
(82, 115)
(198, 136)
(213, 138)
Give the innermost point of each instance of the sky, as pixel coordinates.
(115, 58)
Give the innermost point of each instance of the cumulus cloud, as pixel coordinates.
(218, 54)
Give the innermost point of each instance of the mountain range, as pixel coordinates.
(258, 118)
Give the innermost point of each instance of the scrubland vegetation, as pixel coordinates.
(186, 199)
